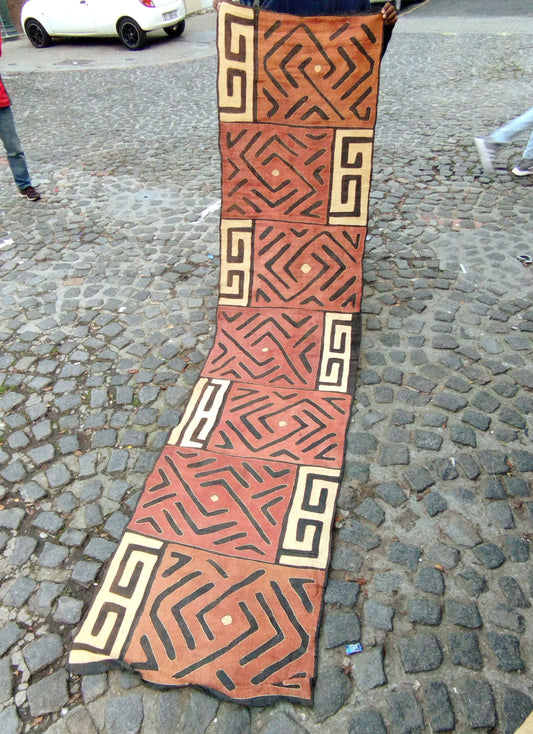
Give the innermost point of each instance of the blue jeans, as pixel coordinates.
(508, 131)
(15, 154)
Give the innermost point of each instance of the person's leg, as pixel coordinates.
(525, 166)
(528, 152)
(487, 147)
(507, 132)
(15, 155)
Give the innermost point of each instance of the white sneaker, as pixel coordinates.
(524, 168)
(486, 151)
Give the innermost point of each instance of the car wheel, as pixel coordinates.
(36, 33)
(175, 30)
(131, 34)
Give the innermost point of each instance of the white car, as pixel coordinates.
(130, 20)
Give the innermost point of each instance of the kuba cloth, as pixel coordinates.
(218, 580)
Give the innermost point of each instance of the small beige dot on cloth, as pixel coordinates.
(305, 268)
(227, 620)
(282, 424)
(265, 349)
(214, 497)
(275, 172)
(318, 68)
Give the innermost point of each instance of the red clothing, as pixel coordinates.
(4, 97)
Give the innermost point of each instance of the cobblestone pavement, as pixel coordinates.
(108, 295)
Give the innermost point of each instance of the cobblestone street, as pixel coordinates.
(108, 291)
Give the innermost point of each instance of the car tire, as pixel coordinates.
(175, 30)
(131, 34)
(36, 34)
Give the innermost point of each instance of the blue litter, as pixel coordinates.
(354, 648)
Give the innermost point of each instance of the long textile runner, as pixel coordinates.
(218, 580)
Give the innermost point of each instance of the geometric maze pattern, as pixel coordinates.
(218, 580)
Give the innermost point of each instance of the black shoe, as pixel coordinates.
(30, 193)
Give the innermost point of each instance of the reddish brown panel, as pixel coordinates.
(272, 171)
(244, 629)
(221, 503)
(283, 425)
(313, 73)
(309, 266)
(267, 346)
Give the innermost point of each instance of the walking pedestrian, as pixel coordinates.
(488, 147)
(15, 154)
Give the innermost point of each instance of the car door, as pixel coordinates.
(71, 17)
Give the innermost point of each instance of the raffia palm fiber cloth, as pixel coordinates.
(218, 579)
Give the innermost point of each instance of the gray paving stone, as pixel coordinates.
(13, 472)
(392, 493)
(463, 614)
(341, 627)
(231, 718)
(69, 610)
(371, 511)
(18, 592)
(124, 714)
(490, 555)
(346, 559)
(50, 522)
(72, 537)
(42, 652)
(80, 721)
(9, 721)
(438, 706)
(444, 555)
(85, 572)
(52, 555)
(517, 548)
(507, 618)
(513, 593)
(367, 722)
(170, 706)
(405, 712)
(41, 602)
(6, 679)
(378, 615)
(389, 582)
(11, 518)
(434, 503)
(423, 611)
(418, 478)
(22, 550)
(405, 555)
(9, 634)
(332, 689)
(343, 593)
(49, 694)
(464, 649)
(368, 669)
(357, 533)
(100, 549)
(461, 532)
(282, 722)
(93, 686)
(478, 702)
(420, 652)
(116, 525)
(516, 708)
(507, 651)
